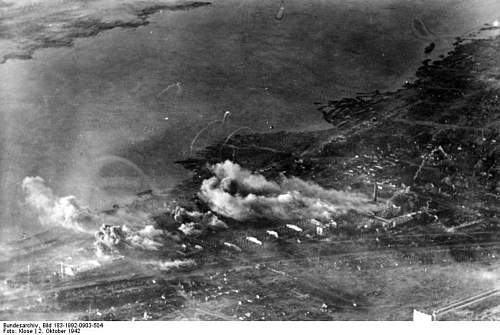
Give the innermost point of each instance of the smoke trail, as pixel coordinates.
(228, 137)
(237, 193)
(174, 85)
(222, 122)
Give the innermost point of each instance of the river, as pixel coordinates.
(108, 117)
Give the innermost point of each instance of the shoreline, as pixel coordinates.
(70, 29)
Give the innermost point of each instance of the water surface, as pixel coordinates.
(98, 120)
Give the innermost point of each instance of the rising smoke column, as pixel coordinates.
(56, 211)
(237, 193)
(136, 229)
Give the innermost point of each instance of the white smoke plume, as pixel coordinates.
(237, 193)
(123, 229)
(53, 210)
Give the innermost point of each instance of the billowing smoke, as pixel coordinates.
(56, 211)
(114, 233)
(237, 193)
